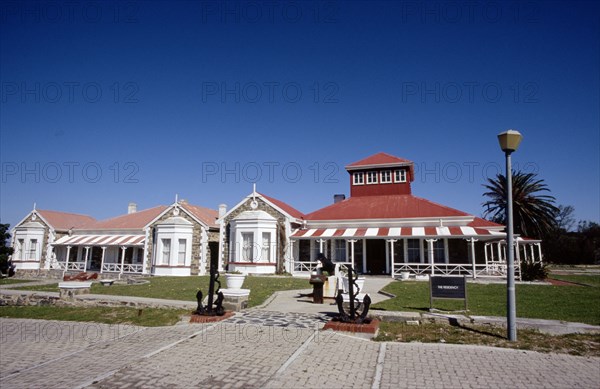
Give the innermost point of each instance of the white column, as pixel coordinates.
(352, 241)
(532, 252)
(123, 249)
(430, 254)
(321, 241)
(289, 264)
(472, 244)
(500, 251)
(387, 258)
(405, 253)
(392, 241)
(87, 252)
(539, 245)
(102, 260)
(67, 261)
(364, 259)
(485, 252)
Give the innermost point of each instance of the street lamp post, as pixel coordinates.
(509, 142)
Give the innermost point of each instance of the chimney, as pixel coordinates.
(222, 210)
(338, 197)
(131, 208)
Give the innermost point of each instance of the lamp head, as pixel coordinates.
(510, 140)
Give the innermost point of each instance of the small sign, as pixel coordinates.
(447, 288)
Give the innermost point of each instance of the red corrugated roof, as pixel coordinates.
(479, 222)
(136, 220)
(285, 207)
(207, 215)
(65, 221)
(379, 159)
(383, 207)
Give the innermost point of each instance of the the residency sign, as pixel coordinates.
(448, 288)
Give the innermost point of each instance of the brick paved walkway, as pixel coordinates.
(36, 353)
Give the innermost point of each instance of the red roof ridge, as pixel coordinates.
(380, 158)
(207, 215)
(65, 220)
(284, 206)
(400, 206)
(135, 220)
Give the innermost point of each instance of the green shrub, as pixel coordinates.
(531, 271)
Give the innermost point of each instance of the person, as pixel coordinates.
(326, 264)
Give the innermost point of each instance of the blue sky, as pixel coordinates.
(104, 103)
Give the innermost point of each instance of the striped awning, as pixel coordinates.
(101, 240)
(395, 232)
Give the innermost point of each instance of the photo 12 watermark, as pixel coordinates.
(269, 12)
(465, 171)
(70, 92)
(89, 172)
(470, 92)
(62, 332)
(269, 171)
(469, 12)
(271, 92)
(65, 12)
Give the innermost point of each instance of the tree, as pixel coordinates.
(5, 250)
(564, 218)
(534, 214)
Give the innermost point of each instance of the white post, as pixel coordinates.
(67, 261)
(289, 265)
(123, 249)
(87, 252)
(102, 260)
(472, 243)
(485, 251)
(352, 241)
(364, 259)
(392, 260)
(539, 245)
(321, 241)
(430, 254)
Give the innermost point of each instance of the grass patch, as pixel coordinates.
(185, 288)
(568, 303)
(147, 317)
(8, 281)
(590, 280)
(574, 344)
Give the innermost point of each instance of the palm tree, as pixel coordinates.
(534, 214)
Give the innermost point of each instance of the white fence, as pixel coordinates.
(127, 268)
(78, 266)
(450, 269)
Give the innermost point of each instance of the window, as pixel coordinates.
(166, 251)
(181, 254)
(371, 177)
(266, 246)
(413, 250)
(339, 252)
(32, 249)
(359, 178)
(439, 254)
(399, 175)
(386, 176)
(248, 246)
(21, 248)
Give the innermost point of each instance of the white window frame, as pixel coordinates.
(388, 173)
(165, 259)
(248, 247)
(400, 175)
(32, 252)
(266, 247)
(358, 178)
(181, 254)
(21, 247)
(372, 175)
